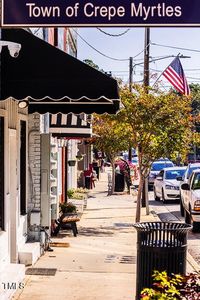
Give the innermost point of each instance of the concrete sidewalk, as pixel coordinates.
(100, 262)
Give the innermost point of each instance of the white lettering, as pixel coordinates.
(44, 11)
(136, 12)
(146, 12)
(161, 10)
(72, 11)
(90, 5)
(103, 11)
(178, 11)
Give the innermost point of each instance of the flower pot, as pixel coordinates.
(71, 163)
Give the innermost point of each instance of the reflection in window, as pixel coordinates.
(196, 182)
(174, 173)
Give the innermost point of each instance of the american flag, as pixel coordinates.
(175, 75)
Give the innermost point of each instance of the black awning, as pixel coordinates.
(70, 126)
(52, 80)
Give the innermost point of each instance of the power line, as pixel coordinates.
(113, 35)
(116, 59)
(103, 54)
(174, 47)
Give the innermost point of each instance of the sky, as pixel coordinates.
(132, 43)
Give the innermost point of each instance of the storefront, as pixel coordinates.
(44, 80)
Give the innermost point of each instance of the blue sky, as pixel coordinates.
(132, 43)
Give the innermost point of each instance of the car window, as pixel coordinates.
(172, 174)
(191, 169)
(196, 182)
(160, 166)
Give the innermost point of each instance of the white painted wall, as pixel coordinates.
(4, 235)
(22, 219)
(15, 232)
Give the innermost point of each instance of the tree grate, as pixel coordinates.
(41, 271)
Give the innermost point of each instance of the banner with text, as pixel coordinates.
(129, 13)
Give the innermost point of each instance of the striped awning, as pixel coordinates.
(70, 126)
(53, 81)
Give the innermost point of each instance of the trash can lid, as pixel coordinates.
(161, 226)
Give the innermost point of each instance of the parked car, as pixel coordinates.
(184, 179)
(135, 160)
(156, 167)
(191, 200)
(166, 187)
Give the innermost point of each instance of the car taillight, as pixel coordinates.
(197, 205)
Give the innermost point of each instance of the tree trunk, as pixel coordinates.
(138, 207)
(113, 177)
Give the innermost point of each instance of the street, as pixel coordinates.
(171, 212)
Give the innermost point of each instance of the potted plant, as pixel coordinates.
(67, 208)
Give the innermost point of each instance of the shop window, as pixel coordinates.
(22, 167)
(2, 173)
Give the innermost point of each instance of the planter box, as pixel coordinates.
(79, 205)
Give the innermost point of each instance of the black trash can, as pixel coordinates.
(119, 183)
(161, 246)
(88, 182)
(96, 169)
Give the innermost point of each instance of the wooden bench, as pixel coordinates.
(67, 221)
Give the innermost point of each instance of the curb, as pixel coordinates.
(192, 262)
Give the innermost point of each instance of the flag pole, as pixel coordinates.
(164, 70)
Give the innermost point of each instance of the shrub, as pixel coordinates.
(183, 287)
(70, 193)
(78, 196)
(82, 190)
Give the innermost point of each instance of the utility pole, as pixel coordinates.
(130, 89)
(130, 73)
(145, 198)
(146, 56)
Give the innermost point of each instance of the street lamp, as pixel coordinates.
(13, 48)
(23, 104)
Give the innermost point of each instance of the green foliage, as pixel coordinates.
(82, 190)
(195, 94)
(70, 193)
(67, 207)
(112, 135)
(183, 287)
(93, 65)
(160, 124)
(78, 194)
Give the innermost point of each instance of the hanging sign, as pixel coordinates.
(41, 13)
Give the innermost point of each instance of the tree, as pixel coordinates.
(111, 137)
(159, 124)
(195, 95)
(93, 65)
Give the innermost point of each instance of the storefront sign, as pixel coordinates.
(141, 13)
